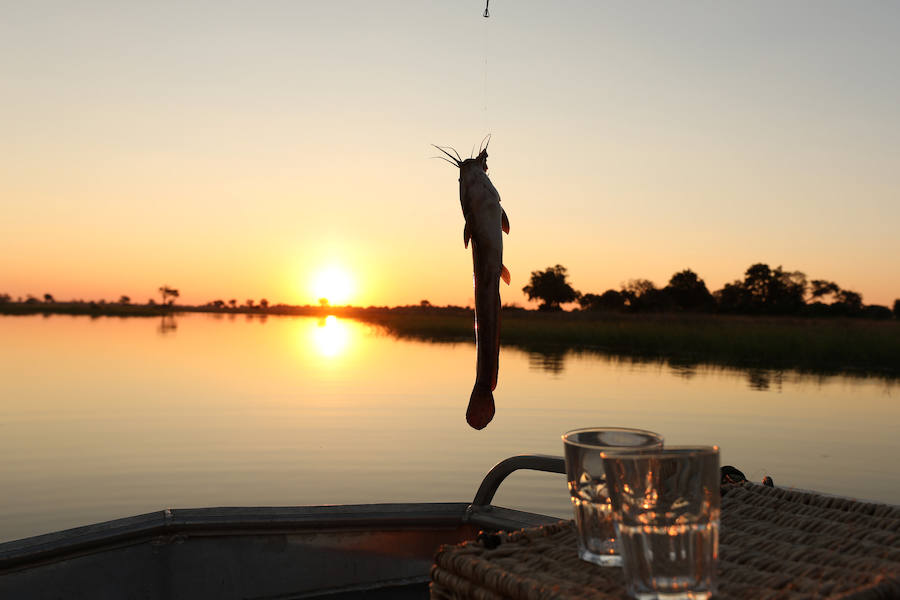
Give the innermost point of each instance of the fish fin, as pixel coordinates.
(481, 407)
(466, 235)
(504, 222)
(504, 274)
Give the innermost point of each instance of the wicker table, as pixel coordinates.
(774, 543)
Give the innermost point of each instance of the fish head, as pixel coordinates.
(478, 163)
(474, 165)
(482, 157)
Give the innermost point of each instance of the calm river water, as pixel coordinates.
(105, 418)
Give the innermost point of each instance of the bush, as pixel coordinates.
(876, 311)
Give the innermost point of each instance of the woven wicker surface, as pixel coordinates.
(774, 544)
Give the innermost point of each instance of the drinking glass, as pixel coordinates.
(587, 485)
(666, 508)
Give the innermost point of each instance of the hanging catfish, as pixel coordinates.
(485, 220)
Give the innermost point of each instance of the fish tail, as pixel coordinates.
(481, 407)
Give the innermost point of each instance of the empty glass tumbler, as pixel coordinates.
(587, 485)
(666, 508)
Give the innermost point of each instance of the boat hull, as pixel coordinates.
(266, 552)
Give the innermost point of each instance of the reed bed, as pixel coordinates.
(826, 345)
(823, 345)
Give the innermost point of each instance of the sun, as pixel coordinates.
(334, 284)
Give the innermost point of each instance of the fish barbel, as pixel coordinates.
(485, 222)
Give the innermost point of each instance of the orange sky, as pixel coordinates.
(233, 151)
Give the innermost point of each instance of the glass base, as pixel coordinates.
(604, 560)
(671, 595)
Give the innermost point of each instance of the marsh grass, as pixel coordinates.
(816, 345)
(823, 345)
(91, 309)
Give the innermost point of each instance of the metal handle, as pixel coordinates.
(535, 462)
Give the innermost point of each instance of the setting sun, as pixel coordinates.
(334, 284)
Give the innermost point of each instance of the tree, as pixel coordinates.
(757, 280)
(48, 298)
(642, 294)
(789, 291)
(848, 302)
(124, 299)
(768, 291)
(875, 311)
(233, 303)
(264, 303)
(424, 303)
(165, 291)
(218, 304)
(5, 298)
(896, 308)
(819, 288)
(688, 291)
(249, 303)
(610, 300)
(323, 302)
(551, 288)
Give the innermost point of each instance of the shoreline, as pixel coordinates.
(806, 344)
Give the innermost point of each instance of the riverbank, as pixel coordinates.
(806, 344)
(821, 345)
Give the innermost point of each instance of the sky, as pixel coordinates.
(237, 149)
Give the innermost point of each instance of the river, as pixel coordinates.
(110, 417)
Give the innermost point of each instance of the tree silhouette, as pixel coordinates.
(610, 300)
(166, 292)
(757, 281)
(849, 301)
(688, 291)
(264, 303)
(551, 288)
(766, 291)
(124, 299)
(323, 302)
(819, 288)
(875, 311)
(48, 297)
(897, 308)
(642, 294)
(249, 303)
(233, 303)
(732, 297)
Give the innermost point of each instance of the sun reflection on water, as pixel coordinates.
(331, 337)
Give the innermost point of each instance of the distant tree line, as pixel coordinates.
(233, 303)
(168, 295)
(762, 291)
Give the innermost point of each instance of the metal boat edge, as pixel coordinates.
(327, 551)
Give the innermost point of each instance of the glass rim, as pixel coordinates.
(665, 452)
(567, 439)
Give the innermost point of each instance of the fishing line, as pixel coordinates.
(484, 111)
